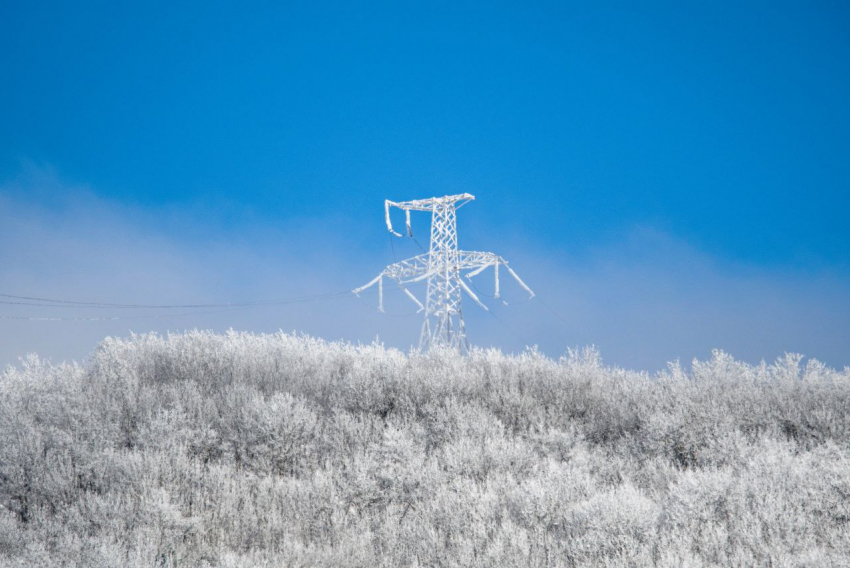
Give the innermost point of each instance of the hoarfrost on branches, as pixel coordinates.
(264, 450)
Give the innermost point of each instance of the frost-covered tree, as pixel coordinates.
(244, 450)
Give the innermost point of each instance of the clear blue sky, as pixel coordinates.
(724, 127)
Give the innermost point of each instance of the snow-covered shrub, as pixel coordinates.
(199, 449)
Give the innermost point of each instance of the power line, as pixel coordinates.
(55, 303)
(418, 244)
(392, 245)
(220, 308)
(554, 313)
(110, 318)
(510, 329)
(386, 313)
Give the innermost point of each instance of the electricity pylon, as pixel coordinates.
(442, 267)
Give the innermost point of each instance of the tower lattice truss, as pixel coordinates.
(444, 267)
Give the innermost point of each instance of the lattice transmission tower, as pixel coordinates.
(442, 267)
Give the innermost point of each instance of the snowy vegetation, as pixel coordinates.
(275, 450)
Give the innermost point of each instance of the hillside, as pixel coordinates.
(274, 450)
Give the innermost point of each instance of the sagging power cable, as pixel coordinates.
(54, 303)
(221, 307)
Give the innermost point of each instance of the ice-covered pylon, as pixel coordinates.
(442, 266)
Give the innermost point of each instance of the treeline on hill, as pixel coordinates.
(275, 450)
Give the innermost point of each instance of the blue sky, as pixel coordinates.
(675, 166)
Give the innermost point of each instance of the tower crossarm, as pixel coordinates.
(478, 261)
(410, 270)
(431, 204)
(471, 260)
